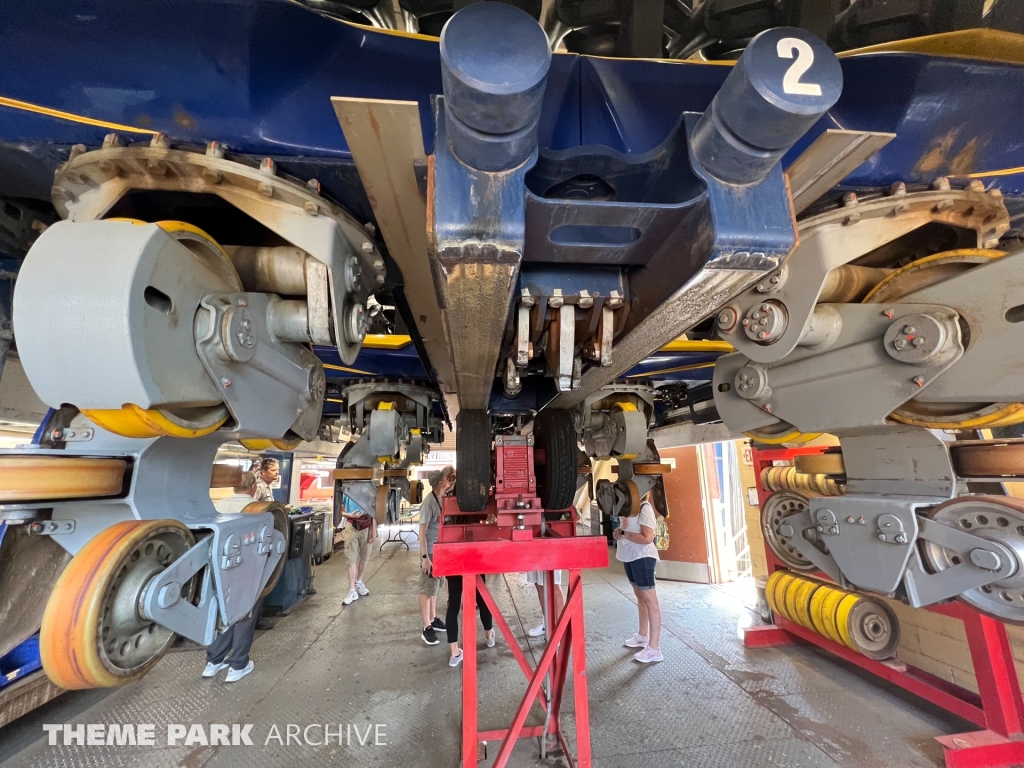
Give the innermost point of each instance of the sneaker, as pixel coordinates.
(537, 631)
(430, 636)
(351, 597)
(361, 588)
(212, 669)
(454, 661)
(490, 639)
(439, 625)
(234, 675)
(647, 655)
(636, 641)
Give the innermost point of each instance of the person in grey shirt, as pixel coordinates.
(441, 481)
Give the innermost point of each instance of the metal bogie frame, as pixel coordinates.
(235, 554)
(998, 708)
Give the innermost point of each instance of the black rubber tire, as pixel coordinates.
(555, 434)
(473, 454)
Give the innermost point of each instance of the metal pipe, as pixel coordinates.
(288, 320)
(822, 327)
(280, 269)
(850, 284)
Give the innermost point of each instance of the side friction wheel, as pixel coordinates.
(774, 513)
(280, 524)
(92, 634)
(555, 435)
(473, 455)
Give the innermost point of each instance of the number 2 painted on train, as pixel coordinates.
(804, 58)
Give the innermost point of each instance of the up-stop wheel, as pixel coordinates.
(555, 440)
(92, 634)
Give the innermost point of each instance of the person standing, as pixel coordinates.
(360, 532)
(231, 647)
(537, 578)
(441, 482)
(635, 549)
(269, 473)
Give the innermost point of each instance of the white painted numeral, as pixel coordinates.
(804, 58)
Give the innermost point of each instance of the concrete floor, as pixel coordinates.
(710, 703)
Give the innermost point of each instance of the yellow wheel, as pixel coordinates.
(781, 434)
(92, 635)
(802, 602)
(914, 277)
(133, 421)
(843, 610)
(791, 597)
(769, 589)
(779, 594)
(816, 611)
(34, 478)
(262, 444)
(280, 524)
(830, 604)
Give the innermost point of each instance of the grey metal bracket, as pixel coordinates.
(51, 527)
(925, 588)
(269, 386)
(163, 603)
(792, 532)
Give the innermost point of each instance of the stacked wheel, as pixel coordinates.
(862, 623)
(92, 634)
(473, 454)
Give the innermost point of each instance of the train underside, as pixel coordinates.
(275, 222)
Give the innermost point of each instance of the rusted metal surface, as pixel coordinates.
(29, 567)
(386, 141)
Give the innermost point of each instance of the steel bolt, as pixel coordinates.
(919, 380)
(850, 198)
(311, 208)
(941, 184)
(160, 141)
(727, 319)
(919, 341)
(898, 189)
(265, 189)
(313, 186)
(112, 140)
(215, 149)
(367, 247)
(169, 594)
(861, 520)
(555, 302)
(225, 382)
(268, 167)
(976, 185)
(850, 519)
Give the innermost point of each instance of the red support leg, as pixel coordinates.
(469, 683)
(535, 682)
(579, 677)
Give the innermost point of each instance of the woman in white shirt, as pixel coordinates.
(634, 548)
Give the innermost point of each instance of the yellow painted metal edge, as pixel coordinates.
(386, 341)
(984, 44)
(25, 106)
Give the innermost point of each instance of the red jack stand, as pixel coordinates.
(521, 541)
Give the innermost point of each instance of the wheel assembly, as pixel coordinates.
(864, 624)
(93, 634)
(33, 478)
(999, 519)
(774, 514)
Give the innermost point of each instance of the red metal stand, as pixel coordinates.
(520, 541)
(998, 708)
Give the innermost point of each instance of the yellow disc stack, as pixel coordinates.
(863, 623)
(789, 479)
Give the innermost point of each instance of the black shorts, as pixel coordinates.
(641, 572)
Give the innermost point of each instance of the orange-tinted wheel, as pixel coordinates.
(92, 634)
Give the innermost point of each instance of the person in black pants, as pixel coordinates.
(231, 648)
(451, 619)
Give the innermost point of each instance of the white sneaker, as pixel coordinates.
(351, 597)
(234, 675)
(454, 661)
(361, 589)
(647, 655)
(537, 631)
(212, 669)
(490, 639)
(636, 641)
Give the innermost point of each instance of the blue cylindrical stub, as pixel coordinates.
(783, 83)
(490, 151)
(494, 66)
